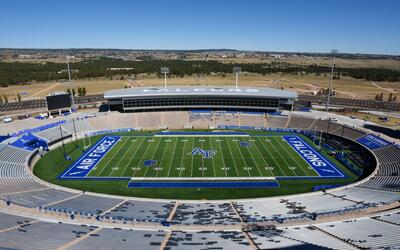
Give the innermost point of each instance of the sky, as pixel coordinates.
(351, 26)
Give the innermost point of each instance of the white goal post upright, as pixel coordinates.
(84, 140)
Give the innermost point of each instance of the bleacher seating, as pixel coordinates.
(205, 214)
(299, 122)
(296, 238)
(365, 195)
(41, 196)
(277, 121)
(85, 205)
(207, 240)
(141, 211)
(53, 134)
(252, 119)
(365, 233)
(41, 235)
(352, 133)
(263, 211)
(121, 239)
(226, 118)
(320, 125)
(393, 218)
(77, 126)
(385, 183)
(13, 176)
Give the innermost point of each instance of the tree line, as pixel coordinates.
(24, 73)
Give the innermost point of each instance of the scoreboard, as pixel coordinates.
(60, 101)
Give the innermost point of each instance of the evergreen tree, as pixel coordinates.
(390, 98)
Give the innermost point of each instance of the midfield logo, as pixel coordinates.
(204, 153)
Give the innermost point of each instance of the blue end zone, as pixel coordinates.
(318, 162)
(204, 184)
(373, 142)
(81, 167)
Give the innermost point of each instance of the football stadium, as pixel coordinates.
(200, 125)
(212, 167)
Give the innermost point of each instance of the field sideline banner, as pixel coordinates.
(81, 167)
(318, 162)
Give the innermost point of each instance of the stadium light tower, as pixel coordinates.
(165, 71)
(237, 70)
(70, 83)
(334, 52)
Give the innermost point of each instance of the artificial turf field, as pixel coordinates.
(172, 157)
(144, 155)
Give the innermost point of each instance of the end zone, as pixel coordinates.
(318, 162)
(82, 167)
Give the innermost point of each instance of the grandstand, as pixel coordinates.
(39, 215)
(40, 104)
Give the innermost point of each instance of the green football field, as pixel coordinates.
(258, 154)
(183, 156)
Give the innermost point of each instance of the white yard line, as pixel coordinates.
(213, 162)
(183, 156)
(261, 156)
(141, 158)
(154, 152)
(223, 160)
(284, 159)
(241, 155)
(172, 158)
(106, 166)
(191, 170)
(133, 156)
(272, 157)
(162, 157)
(122, 158)
(233, 159)
(255, 162)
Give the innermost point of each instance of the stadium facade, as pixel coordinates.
(190, 98)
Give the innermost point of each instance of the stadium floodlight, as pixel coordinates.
(237, 70)
(70, 83)
(333, 52)
(165, 71)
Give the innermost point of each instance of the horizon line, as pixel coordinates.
(209, 49)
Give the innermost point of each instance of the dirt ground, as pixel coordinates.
(345, 87)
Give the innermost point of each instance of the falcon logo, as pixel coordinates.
(204, 153)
